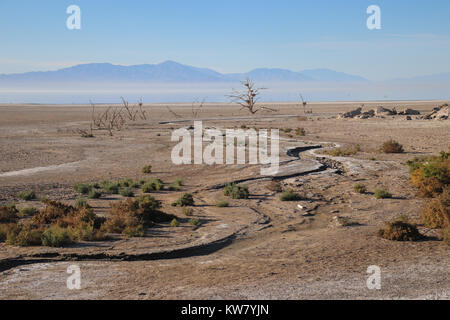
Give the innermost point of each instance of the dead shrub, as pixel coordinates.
(398, 230)
(274, 186)
(8, 214)
(392, 146)
(437, 212)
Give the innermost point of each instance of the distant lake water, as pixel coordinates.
(217, 92)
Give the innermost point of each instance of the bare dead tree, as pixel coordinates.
(197, 108)
(249, 97)
(304, 103)
(142, 112)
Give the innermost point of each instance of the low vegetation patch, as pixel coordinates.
(400, 230)
(237, 191)
(56, 236)
(340, 152)
(360, 188)
(147, 169)
(174, 223)
(28, 211)
(127, 192)
(188, 211)
(186, 200)
(94, 194)
(130, 217)
(222, 204)
(290, 195)
(382, 194)
(392, 146)
(436, 214)
(431, 175)
(153, 185)
(8, 214)
(300, 132)
(27, 195)
(194, 222)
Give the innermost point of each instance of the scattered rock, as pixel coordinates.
(381, 111)
(409, 112)
(350, 114)
(439, 113)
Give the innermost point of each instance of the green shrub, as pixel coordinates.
(28, 211)
(24, 235)
(223, 204)
(174, 223)
(237, 191)
(56, 237)
(153, 185)
(83, 188)
(27, 195)
(128, 183)
(127, 192)
(8, 214)
(290, 195)
(194, 222)
(382, 194)
(186, 200)
(81, 203)
(147, 169)
(86, 231)
(94, 194)
(392, 146)
(400, 231)
(188, 211)
(360, 188)
(110, 187)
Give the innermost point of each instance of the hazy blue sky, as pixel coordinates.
(230, 35)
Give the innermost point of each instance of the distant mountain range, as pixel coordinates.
(173, 72)
(170, 71)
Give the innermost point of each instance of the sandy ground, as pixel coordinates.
(259, 248)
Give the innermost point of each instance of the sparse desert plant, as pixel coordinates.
(147, 169)
(82, 188)
(185, 200)
(94, 194)
(132, 216)
(345, 222)
(86, 231)
(222, 204)
(437, 212)
(26, 195)
(300, 132)
(24, 235)
(8, 214)
(340, 152)
(360, 188)
(188, 211)
(127, 192)
(56, 237)
(81, 203)
(28, 211)
(274, 186)
(128, 183)
(153, 185)
(174, 223)
(430, 175)
(392, 146)
(111, 187)
(290, 195)
(400, 231)
(382, 194)
(237, 191)
(194, 222)
(5, 229)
